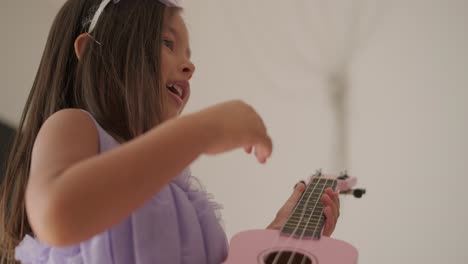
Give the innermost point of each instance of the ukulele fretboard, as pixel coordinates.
(307, 218)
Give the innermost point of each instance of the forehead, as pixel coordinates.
(174, 23)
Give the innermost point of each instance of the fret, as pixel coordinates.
(295, 230)
(313, 227)
(319, 185)
(309, 207)
(305, 224)
(314, 210)
(302, 233)
(310, 204)
(311, 197)
(305, 215)
(299, 231)
(315, 189)
(305, 218)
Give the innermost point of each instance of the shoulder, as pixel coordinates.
(69, 122)
(66, 137)
(70, 115)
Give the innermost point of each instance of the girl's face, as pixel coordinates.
(176, 66)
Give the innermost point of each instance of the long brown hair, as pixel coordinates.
(117, 80)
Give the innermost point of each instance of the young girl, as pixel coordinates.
(98, 172)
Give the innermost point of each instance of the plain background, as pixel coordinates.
(406, 110)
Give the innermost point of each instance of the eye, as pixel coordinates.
(168, 43)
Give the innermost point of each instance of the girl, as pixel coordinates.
(98, 172)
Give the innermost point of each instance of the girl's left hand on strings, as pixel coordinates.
(331, 202)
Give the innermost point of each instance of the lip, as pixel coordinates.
(176, 98)
(185, 85)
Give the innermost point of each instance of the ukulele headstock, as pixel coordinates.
(344, 183)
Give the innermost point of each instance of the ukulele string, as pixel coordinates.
(320, 217)
(318, 221)
(309, 195)
(291, 258)
(278, 237)
(277, 257)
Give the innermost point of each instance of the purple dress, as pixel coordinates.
(177, 225)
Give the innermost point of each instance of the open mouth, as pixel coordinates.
(176, 89)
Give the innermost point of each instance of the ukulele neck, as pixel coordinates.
(307, 218)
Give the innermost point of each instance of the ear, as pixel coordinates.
(80, 44)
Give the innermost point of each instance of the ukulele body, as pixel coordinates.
(300, 240)
(259, 247)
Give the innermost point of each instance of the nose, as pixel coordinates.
(188, 68)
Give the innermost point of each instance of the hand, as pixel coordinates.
(330, 199)
(331, 202)
(236, 124)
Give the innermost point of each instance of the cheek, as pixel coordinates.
(164, 65)
(188, 96)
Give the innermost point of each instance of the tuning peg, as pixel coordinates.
(318, 173)
(358, 193)
(343, 175)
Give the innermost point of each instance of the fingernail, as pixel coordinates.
(298, 183)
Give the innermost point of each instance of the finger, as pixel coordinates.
(329, 221)
(295, 196)
(259, 153)
(336, 198)
(248, 149)
(334, 195)
(300, 182)
(290, 204)
(263, 149)
(300, 187)
(328, 202)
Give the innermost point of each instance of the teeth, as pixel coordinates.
(179, 90)
(176, 88)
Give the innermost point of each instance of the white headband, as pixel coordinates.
(104, 3)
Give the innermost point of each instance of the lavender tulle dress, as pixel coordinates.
(177, 225)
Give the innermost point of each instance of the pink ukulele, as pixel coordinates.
(299, 241)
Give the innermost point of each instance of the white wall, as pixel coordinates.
(25, 25)
(409, 136)
(407, 120)
(407, 117)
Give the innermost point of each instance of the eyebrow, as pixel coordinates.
(171, 30)
(176, 33)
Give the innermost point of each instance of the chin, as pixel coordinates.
(171, 115)
(173, 112)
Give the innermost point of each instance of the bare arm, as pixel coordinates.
(74, 194)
